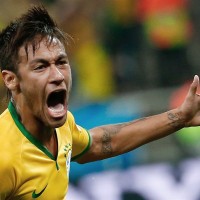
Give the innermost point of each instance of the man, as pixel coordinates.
(39, 136)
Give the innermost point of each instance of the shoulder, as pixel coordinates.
(6, 121)
(5, 116)
(70, 118)
(7, 174)
(70, 122)
(75, 129)
(10, 135)
(10, 142)
(8, 151)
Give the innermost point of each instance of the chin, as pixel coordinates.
(57, 123)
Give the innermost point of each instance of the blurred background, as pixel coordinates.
(129, 59)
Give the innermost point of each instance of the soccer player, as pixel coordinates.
(38, 135)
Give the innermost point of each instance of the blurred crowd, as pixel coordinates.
(120, 46)
(125, 46)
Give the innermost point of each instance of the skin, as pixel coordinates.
(44, 71)
(116, 139)
(48, 70)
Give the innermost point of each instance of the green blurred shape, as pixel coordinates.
(189, 136)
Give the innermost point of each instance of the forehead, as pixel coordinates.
(41, 48)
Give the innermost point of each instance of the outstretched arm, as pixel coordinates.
(116, 139)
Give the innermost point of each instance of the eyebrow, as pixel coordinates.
(42, 60)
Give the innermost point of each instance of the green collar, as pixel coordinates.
(28, 135)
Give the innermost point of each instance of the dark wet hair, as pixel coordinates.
(24, 31)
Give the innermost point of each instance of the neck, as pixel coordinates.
(33, 125)
(45, 135)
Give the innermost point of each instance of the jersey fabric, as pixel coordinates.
(27, 169)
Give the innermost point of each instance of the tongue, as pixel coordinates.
(57, 110)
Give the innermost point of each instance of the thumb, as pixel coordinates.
(194, 86)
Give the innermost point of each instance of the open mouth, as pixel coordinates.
(56, 103)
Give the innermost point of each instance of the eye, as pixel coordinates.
(40, 67)
(62, 62)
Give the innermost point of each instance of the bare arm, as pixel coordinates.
(112, 140)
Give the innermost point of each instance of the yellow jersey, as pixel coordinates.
(27, 169)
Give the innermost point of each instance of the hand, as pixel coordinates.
(190, 108)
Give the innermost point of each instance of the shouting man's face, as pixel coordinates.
(45, 82)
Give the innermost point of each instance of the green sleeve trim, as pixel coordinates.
(85, 150)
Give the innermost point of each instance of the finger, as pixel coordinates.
(194, 85)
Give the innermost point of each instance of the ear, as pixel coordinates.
(10, 79)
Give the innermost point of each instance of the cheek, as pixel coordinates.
(31, 90)
(27, 86)
(69, 79)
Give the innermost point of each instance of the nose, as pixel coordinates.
(56, 75)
